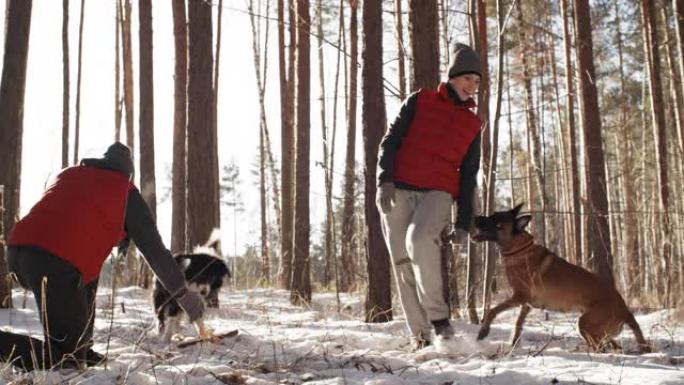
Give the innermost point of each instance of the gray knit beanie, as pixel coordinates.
(464, 61)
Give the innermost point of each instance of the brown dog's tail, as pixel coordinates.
(644, 347)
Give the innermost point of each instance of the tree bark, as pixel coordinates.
(5, 281)
(146, 129)
(424, 59)
(492, 149)
(576, 209)
(532, 127)
(598, 232)
(261, 89)
(117, 72)
(77, 129)
(12, 88)
(327, 171)
(201, 144)
(148, 184)
(347, 265)
(401, 49)
(214, 120)
(301, 278)
(379, 298)
(180, 84)
(678, 6)
(128, 75)
(659, 134)
(287, 142)
(675, 97)
(65, 83)
(265, 273)
(443, 7)
(340, 36)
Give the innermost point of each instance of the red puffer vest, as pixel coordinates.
(435, 143)
(79, 218)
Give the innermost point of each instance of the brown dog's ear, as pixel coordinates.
(522, 221)
(516, 209)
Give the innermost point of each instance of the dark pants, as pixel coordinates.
(66, 307)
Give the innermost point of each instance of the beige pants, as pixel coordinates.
(412, 232)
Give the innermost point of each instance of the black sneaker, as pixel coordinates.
(94, 358)
(443, 329)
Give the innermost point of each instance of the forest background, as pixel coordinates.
(581, 103)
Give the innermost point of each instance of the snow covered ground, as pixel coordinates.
(281, 344)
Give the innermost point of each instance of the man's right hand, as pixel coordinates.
(385, 196)
(193, 305)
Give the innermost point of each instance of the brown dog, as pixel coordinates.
(543, 280)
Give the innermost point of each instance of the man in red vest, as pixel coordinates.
(428, 158)
(57, 251)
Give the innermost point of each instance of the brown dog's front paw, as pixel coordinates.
(484, 332)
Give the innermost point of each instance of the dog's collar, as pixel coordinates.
(517, 250)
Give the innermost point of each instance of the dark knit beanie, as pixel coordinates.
(119, 156)
(464, 61)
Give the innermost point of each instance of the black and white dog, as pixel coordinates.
(205, 274)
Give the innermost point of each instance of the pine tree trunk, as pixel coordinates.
(675, 116)
(214, 121)
(179, 182)
(675, 97)
(511, 141)
(301, 278)
(423, 23)
(492, 150)
(201, 144)
(379, 297)
(287, 142)
(576, 209)
(348, 231)
(563, 182)
(472, 23)
(660, 136)
(148, 184)
(471, 279)
(5, 281)
(65, 83)
(483, 93)
(328, 252)
(77, 130)
(128, 75)
(532, 127)
(264, 274)
(12, 89)
(130, 268)
(401, 49)
(117, 72)
(261, 89)
(275, 191)
(340, 35)
(679, 33)
(483, 106)
(598, 232)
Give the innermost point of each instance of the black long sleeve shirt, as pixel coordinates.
(142, 229)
